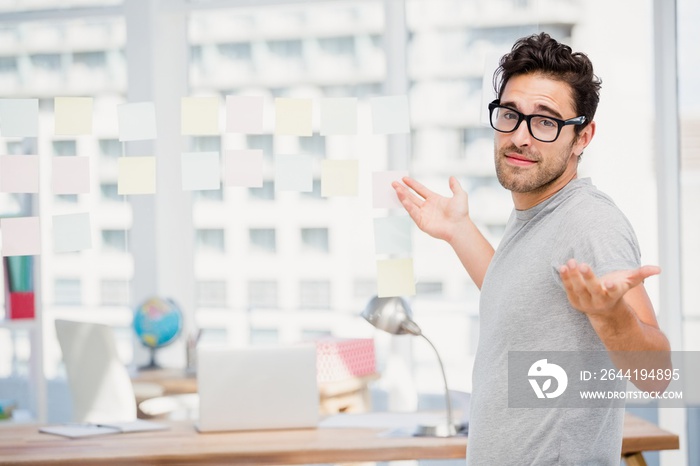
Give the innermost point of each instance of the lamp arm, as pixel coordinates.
(448, 403)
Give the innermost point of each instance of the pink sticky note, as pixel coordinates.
(19, 173)
(70, 175)
(383, 194)
(244, 114)
(243, 168)
(21, 236)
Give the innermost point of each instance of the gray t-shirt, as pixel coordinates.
(524, 307)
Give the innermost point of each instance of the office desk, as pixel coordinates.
(182, 445)
(347, 396)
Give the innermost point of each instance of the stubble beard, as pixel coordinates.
(518, 180)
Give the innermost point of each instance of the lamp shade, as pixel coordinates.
(393, 315)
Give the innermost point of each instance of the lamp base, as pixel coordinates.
(436, 430)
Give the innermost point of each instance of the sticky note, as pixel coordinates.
(201, 171)
(338, 116)
(243, 168)
(392, 235)
(70, 175)
(293, 173)
(137, 121)
(71, 232)
(390, 114)
(199, 116)
(21, 236)
(395, 278)
(293, 117)
(383, 194)
(339, 178)
(136, 175)
(19, 173)
(72, 115)
(244, 114)
(19, 118)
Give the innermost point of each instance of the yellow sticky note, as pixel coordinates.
(199, 116)
(339, 178)
(137, 175)
(395, 278)
(293, 117)
(72, 115)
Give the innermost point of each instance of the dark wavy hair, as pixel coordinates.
(540, 54)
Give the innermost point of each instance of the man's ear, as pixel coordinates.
(584, 138)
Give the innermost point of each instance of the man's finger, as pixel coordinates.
(417, 187)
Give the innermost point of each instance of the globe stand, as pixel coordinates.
(152, 364)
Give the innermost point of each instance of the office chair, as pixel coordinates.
(99, 382)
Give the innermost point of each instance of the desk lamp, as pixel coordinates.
(394, 315)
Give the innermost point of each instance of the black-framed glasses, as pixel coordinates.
(543, 128)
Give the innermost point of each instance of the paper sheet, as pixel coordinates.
(339, 178)
(137, 121)
(338, 116)
(390, 115)
(392, 235)
(70, 175)
(383, 194)
(72, 116)
(19, 173)
(199, 116)
(244, 114)
(293, 173)
(19, 118)
(71, 232)
(201, 171)
(21, 236)
(395, 278)
(137, 175)
(243, 168)
(293, 117)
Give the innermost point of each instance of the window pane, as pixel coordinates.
(65, 148)
(114, 292)
(315, 239)
(315, 295)
(110, 148)
(211, 293)
(67, 291)
(264, 336)
(109, 192)
(430, 288)
(114, 240)
(266, 192)
(263, 239)
(210, 240)
(262, 294)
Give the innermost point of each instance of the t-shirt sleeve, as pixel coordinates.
(597, 233)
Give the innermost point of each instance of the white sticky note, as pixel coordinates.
(199, 116)
(21, 236)
(395, 278)
(72, 115)
(293, 173)
(293, 117)
(390, 114)
(243, 168)
(70, 175)
(244, 114)
(19, 173)
(392, 235)
(338, 116)
(71, 232)
(201, 171)
(339, 178)
(137, 121)
(137, 175)
(19, 118)
(383, 194)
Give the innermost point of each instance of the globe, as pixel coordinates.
(157, 323)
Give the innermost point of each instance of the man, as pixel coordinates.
(566, 275)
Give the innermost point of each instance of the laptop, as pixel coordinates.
(257, 388)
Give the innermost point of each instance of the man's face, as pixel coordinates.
(523, 164)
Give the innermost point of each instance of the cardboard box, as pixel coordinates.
(340, 359)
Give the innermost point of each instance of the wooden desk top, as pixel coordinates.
(24, 445)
